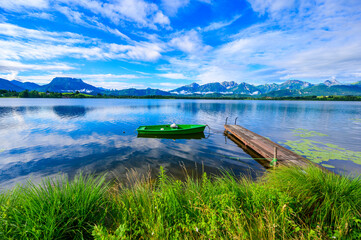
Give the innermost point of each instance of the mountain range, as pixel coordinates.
(241, 88)
(289, 88)
(58, 84)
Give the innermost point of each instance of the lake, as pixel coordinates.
(45, 137)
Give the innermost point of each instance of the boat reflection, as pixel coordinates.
(182, 136)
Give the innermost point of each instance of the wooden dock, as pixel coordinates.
(266, 148)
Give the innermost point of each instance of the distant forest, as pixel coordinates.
(36, 94)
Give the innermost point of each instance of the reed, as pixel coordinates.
(56, 208)
(287, 203)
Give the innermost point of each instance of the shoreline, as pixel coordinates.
(210, 207)
(319, 99)
(36, 94)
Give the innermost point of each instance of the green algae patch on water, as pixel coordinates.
(321, 152)
(327, 165)
(356, 120)
(300, 132)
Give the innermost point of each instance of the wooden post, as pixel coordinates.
(275, 155)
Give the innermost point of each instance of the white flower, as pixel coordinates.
(196, 229)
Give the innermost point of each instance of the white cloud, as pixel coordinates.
(10, 76)
(14, 31)
(206, 1)
(160, 18)
(111, 81)
(73, 16)
(42, 15)
(11, 66)
(20, 5)
(142, 51)
(172, 6)
(104, 77)
(142, 13)
(189, 42)
(167, 86)
(17, 50)
(298, 39)
(271, 6)
(208, 74)
(321, 41)
(173, 75)
(137, 11)
(28, 44)
(119, 85)
(113, 31)
(222, 24)
(81, 19)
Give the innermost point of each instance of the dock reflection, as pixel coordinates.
(258, 158)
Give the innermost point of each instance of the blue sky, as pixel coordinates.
(165, 44)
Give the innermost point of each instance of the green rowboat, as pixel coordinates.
(168, 130)
(174, 137)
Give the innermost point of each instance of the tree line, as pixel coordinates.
(47, 94)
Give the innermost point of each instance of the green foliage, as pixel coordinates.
(24, 94)
(54, 209)
(77, 95)
(224, 207)
(31, 94)
(6, 93)
(287, 203)
(100, 233)
(331, 204)
(153, 94)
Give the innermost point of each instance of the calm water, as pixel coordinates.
(42, 137)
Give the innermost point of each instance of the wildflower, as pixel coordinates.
(196, 229)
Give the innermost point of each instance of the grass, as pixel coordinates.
(78, 95)
(288, 203)
(53, 210)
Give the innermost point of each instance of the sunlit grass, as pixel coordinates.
(54, 209)
(288, 203)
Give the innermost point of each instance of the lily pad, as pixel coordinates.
(307, 133)
(321, 152)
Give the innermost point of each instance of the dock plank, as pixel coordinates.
(265, 147)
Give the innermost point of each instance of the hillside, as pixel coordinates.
(138, 92)
(7, 85)
(65, 84)
(26, 85)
